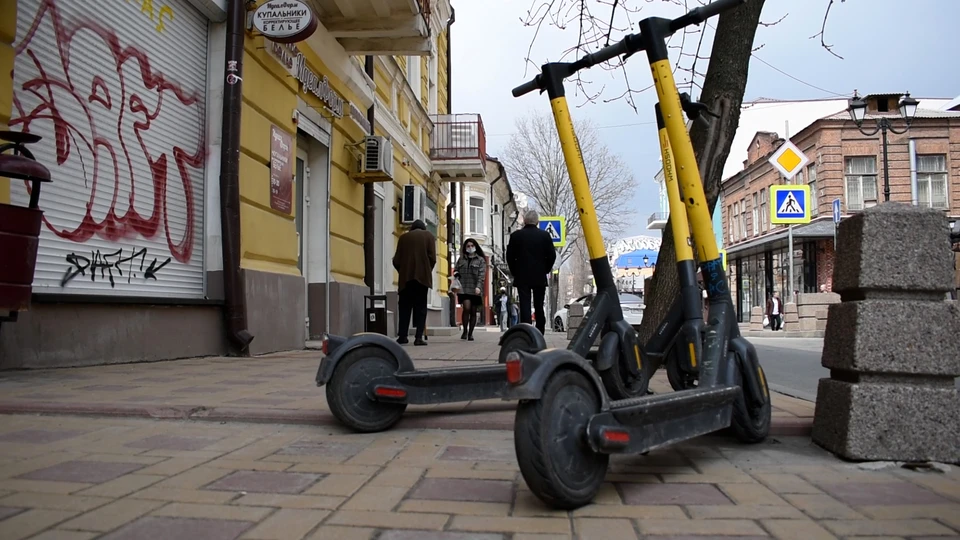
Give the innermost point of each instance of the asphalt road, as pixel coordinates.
(792, 365)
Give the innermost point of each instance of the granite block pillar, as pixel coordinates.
(891, 344)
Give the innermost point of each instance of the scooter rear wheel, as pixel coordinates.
(751, 424)
(550, 440)
(347, 391)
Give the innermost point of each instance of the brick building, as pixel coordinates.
(844, 164)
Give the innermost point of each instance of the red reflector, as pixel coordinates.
(386, 391)
(616, 436)
(514, 368)
(325, 345)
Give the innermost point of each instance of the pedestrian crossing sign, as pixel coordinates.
(556, 227)
(789, 204)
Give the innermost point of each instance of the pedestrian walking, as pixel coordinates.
(775, 311)
(530, 256)
(414, 260)
(502, 301)
(471, 269)
(514, 313)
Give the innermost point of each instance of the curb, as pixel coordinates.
(487, 418)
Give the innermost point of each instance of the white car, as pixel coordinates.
(631, 304)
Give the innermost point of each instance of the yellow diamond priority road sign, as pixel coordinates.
(789, 160)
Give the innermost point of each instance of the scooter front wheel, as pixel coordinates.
(621, 384)
(518, 341)
(550, 440)
(347, 391)
(751, 424)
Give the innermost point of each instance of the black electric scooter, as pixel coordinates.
(568, 422)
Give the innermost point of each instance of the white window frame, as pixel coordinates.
(414, 76)
(743, 218)
(735, 222)
(858, 202)
(812, 182)
(471, 208)
(763, 210)
(756, 214)
(929, 178)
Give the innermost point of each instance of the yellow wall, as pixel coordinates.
(8, 29)
(443, 85)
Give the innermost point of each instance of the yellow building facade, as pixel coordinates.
(303, 163)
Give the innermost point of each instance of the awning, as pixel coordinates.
(820, 229)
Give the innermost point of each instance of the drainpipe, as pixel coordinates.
(235, 309)
(913, 172)
(451, 236)
(492, 201)
(369, 202)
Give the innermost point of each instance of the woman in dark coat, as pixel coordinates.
(471, 269)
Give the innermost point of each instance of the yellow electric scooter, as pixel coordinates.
(567, 423)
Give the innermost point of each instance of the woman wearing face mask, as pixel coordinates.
(471, 268)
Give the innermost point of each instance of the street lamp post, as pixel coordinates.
(857, 107)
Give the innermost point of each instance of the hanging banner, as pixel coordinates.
(281, 170)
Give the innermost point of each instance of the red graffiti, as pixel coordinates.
(116, 147)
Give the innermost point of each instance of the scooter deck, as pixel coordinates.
(443, 385)
(646, 423)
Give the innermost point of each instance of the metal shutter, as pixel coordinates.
(117, 90)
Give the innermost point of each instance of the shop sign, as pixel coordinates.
(318, 85)
(360, 118)
(430, 216)
(285, 21)
(281, 170)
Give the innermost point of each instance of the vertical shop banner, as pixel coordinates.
(281, 170)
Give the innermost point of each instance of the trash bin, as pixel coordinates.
(375, 313)
(19, 225)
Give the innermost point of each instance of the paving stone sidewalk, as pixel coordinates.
(278, 388)
(126, 479)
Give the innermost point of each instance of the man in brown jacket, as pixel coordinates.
(414, 260)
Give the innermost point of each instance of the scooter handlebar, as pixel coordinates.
(702, 13)
(527, 87)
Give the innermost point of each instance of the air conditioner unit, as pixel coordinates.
(414, 202)
(377, 155)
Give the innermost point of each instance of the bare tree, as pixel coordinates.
(534, 162)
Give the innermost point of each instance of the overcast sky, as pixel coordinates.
(886, 45)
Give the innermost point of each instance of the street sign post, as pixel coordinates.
(556, 227)
(836, 221)
(789, 204)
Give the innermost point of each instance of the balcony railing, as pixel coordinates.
(657, 218)
(458, 137)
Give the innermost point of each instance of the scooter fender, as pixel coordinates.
(608, 351)
(524, 328)
(537, 369)
(364, 339)
(754, 390)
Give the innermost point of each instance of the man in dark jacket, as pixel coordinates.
(530, 256)
(414, 260)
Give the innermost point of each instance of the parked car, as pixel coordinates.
(631, 304)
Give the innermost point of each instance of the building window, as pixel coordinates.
(861, 182)
(476, 215)
(812, 182)
(413, 75)
(756, 216)
(730, 232)
(798, 179)
(932, 189)
(735, 222)
(763, 210)
(743, 218)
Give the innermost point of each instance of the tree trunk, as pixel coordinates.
(723, 89)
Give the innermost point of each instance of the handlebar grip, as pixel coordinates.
(527, 87)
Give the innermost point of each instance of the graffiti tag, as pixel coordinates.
(109, 263)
